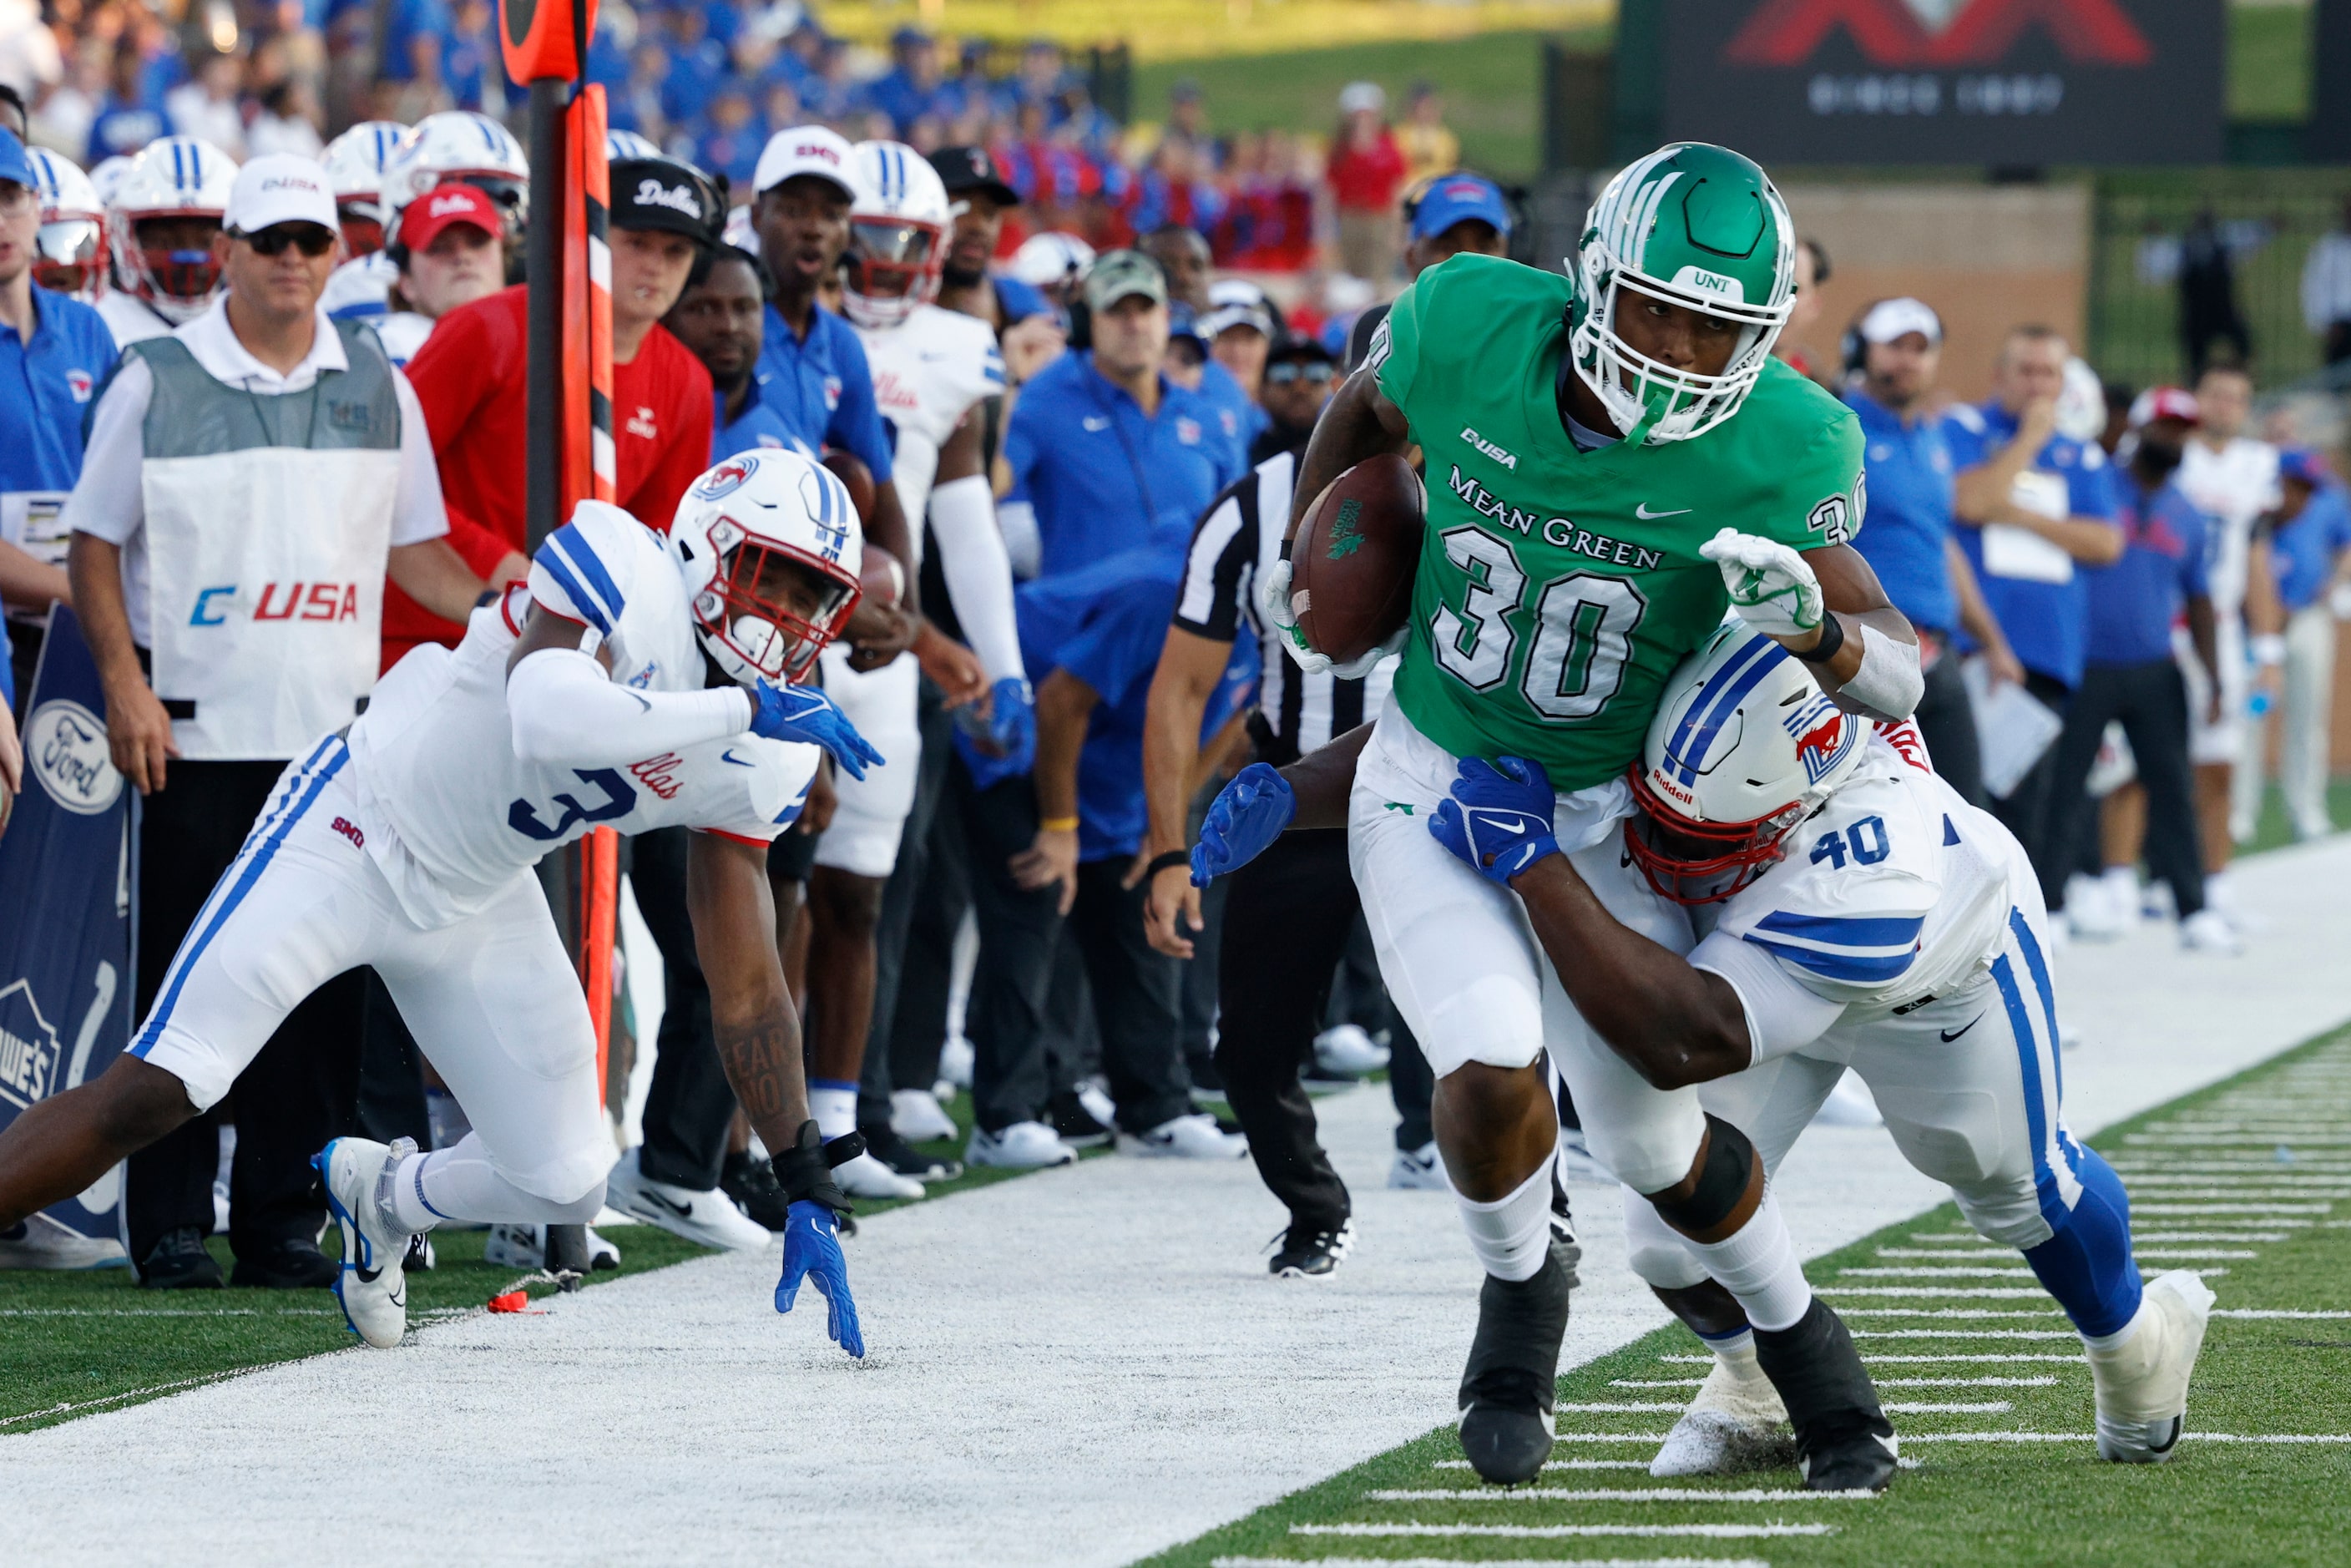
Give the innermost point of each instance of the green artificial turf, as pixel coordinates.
(1975, 1503)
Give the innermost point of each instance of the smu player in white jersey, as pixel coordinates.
(1864, 915)
(628, 684)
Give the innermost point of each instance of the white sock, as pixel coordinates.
(1758, 1266)
(2122, 886)
(833, 1104)
(1511, 1236)
(2216, 891)
(462, 1183)
(1736, 1351)
(2099, 1343)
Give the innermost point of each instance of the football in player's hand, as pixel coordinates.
(1353, 559)
(858, 477)
(881, 575)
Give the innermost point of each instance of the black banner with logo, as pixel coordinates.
(1948, 81)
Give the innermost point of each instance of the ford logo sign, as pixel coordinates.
(65, 748)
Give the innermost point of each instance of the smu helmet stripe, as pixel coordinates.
(1715, 701)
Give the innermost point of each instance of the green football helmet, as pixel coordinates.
(1694, 224)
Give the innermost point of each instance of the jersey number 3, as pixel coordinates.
(620, 798)
(1584, 629)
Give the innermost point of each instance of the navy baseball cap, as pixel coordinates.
(15, 165)
(1457, 198)
(2304, 466)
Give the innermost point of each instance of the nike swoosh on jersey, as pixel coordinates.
(1647, 515)
(1951, 1034)
(641, 701)
(728, 755)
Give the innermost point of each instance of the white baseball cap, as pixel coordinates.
(280, 188)
(806, 149)
(1891, 318)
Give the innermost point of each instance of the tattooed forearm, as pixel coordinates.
(763, 1066)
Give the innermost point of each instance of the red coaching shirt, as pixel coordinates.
(470, 377)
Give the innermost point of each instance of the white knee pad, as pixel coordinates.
(2004, 1214)
(1658, 1253)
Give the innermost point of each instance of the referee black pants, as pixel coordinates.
(1285, 926)
(293, 1097)
(2151, 701)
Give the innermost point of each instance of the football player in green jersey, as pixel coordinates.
(1614, 461)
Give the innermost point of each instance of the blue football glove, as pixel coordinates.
(812, 1252)
(1247, 815)
(1498, 816)
(806, 716)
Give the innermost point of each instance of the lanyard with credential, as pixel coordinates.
(1134, 463)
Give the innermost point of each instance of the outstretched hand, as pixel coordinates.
(1246, 815)
(810, 716)
(812, 1252)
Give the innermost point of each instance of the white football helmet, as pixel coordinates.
(897, 234)
(355, 163)
(1052, 260)
(458, 144)
(106, 176)
(1744, 747)
(172, 177)
(620, 144)
(758, 508)
(70, 257)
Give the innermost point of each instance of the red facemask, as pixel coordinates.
(1701, 863)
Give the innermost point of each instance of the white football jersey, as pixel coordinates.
(130, 319)
(453, 815)
(2234, 487)
(1894, 891)
(928, 374)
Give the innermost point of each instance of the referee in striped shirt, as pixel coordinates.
(1290, 910)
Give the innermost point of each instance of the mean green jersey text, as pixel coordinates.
(1558, 589)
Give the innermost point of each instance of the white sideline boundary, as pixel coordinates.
(1079, 1368)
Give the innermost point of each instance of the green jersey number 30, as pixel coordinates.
(1584, 629)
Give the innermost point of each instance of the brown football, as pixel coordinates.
(858, 477)
(1353, 559)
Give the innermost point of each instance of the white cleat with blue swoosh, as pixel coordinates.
(371, 1286)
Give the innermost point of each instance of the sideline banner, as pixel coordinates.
(65, 887)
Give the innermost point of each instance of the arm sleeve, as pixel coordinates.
(978, 572)
(564, 712)
(1217, 570)
(856, 421)
(417, 512)
(1782, 1015)
(107, 500)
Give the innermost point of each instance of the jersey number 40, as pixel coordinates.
(1584, 629)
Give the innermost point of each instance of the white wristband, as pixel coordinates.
(1889, 684)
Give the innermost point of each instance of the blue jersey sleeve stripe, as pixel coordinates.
(550, 562)
(572, 543)
(1850, 967)
(1844, 930)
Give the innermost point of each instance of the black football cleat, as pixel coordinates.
(1843, 1441)
(1511, 1383)
(286, 1263)
(1311, 1251)
(178, 1262)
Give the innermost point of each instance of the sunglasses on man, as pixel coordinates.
(1313, 372)
(313, 240)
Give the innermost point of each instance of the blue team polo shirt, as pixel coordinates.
(2134, 601)
(2045, 621)
(1105, 623)
(1101, 474)
(759, 426)
(2303, 552)
(1016, 300)
(821, 391)
(46, 387)
(1908, 527)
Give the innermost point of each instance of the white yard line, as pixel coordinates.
(1490, 1562)
(1123, 1374)
(2275, 1438)
(1618, 1494)
(1567, 1531)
